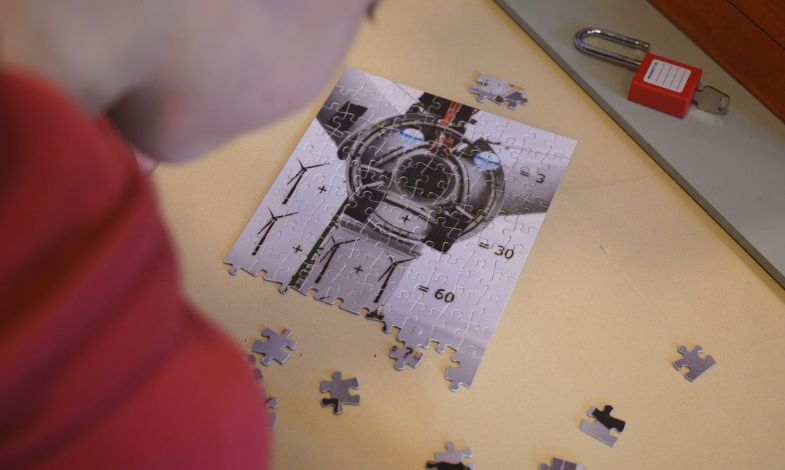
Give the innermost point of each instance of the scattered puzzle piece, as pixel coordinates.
(498, 91)
(257, 374)
(339, 392)
(694, 362)
(271, 404)
(450, 460)
(601, 427)
(558, 464)
(274, 348)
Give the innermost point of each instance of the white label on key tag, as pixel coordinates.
(667, 75)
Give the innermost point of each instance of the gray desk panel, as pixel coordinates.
(733, 166)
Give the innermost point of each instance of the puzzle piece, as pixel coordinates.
(405, 356)
(694, 362)
(339, 392)
(382, 206)
(601, 428)
(450, 460)
(469, 358)
(498, 91)
(558, 464)
(257, 374)
(271, 404)
(415, 334)
(274, 348)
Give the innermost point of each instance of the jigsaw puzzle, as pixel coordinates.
(558, 464)
(694, 362)
(339, 388)
(416, 209)
(450, 460)
(601, 427)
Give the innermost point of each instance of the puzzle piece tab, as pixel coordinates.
(274, 349)
(339, 392)
(694, 362)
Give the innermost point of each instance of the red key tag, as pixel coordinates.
(659, 83)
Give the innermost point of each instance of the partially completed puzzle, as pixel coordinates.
(415, 209)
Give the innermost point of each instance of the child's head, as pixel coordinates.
(186, 75)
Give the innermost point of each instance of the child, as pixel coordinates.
(103, 363)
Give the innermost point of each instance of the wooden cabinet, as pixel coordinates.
(746, 37)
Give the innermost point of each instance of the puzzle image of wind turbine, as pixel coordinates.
(416, 208)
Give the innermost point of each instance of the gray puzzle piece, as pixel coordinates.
(558, 464)
(339, 392)
(405, 356)
(483, 94)
(498, 91)
(257, 374)
(274, 348)
(469, 359)
(694, 362)
(515, 98)
(452, 459)
(490, 88)
(414, 336)
(598, 429)
(271, 404)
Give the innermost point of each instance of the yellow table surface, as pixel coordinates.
(626, 267)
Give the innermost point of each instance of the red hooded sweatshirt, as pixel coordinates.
(103, 364)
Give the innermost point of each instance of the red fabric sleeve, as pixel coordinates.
(103, 364)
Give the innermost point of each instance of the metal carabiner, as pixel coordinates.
(618, 59)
